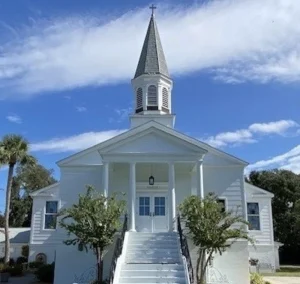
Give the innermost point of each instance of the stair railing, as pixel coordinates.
(117, 251)
(185, 250)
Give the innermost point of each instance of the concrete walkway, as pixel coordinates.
(282, 280)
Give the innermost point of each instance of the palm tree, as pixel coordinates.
(13, 150)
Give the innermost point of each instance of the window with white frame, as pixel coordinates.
(139, 98)
(222, 203)
(253, 216)
(165, 98)
(51, 215)
(152, 95)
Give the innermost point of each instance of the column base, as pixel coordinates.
(132, 230)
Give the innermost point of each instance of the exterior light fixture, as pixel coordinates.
(151, 180)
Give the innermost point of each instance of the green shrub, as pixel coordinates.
(21, 260)
(16, 270)
(255, 278)
(11, 261)
(267, 282)
(45, 273)
(4, 268)
(25, 251)
(35, 264)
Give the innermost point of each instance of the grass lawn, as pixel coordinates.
(285, 272)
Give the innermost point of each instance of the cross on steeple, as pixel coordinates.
(152, 7)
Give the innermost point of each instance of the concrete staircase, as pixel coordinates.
(152, 258)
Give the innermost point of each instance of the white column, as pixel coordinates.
(172, 198)
(132, 185)
(200, 187)
(105, 178)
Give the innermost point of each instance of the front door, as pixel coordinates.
(152, 212)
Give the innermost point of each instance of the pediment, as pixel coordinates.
(152, 141)
(252, 191)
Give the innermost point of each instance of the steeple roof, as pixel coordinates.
(152, 59)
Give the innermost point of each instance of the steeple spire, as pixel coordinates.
(152, 84)
(152, 59)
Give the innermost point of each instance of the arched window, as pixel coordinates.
(139, 98)
(165, 98)
(152, 95)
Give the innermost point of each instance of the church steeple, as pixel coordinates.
(152, 83)
(152, 59)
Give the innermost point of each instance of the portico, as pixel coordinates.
(152, 208)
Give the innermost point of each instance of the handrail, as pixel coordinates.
(117, 251)
(185, 250)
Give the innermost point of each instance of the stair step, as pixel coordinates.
(148, 279)
(152, 273)
(149, 267)
(151, 259)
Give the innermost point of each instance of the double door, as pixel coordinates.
(152, 212)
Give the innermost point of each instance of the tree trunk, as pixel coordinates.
(99, 254)
(7, 210)
(201, 267)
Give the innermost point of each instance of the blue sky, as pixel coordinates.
(65, 70)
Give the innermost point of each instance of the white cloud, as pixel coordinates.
(230, 138)
(81, 109)
(289, 161)
(14, 118)
(250, 135)
(277, 127)
(122, 114)
(234, 40)
(74, 143)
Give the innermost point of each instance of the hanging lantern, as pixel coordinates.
(151, 180)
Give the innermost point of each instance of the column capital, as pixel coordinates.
(200, 161)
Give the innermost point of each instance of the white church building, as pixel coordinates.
(157, 167)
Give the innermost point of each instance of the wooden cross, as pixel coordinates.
(152, 7)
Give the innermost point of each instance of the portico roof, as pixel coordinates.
(152, 126)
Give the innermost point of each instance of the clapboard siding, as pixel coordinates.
(265, 235)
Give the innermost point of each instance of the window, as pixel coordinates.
(139, 98)
(160, 206)
(165, 98)
(144, 206)
(253, 216)
(51, 214)
(222, 204)
(152, 95)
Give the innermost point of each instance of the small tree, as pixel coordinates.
(93, 222)
(211, 229)
(14, 150)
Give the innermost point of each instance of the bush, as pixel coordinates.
(25, 251)
(4, 268)
(11, 261)
(21, 260)
(35, 264)
(16, 270)
(45, 273)
(255, 278)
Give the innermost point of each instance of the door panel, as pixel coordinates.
(143, 214)
(160, 220)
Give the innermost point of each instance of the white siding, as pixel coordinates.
(226, 182)
(38, 234)
(264, 236)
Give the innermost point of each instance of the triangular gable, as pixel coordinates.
(134, 131)
(152, 140)
(51, 189)
(257, 191)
